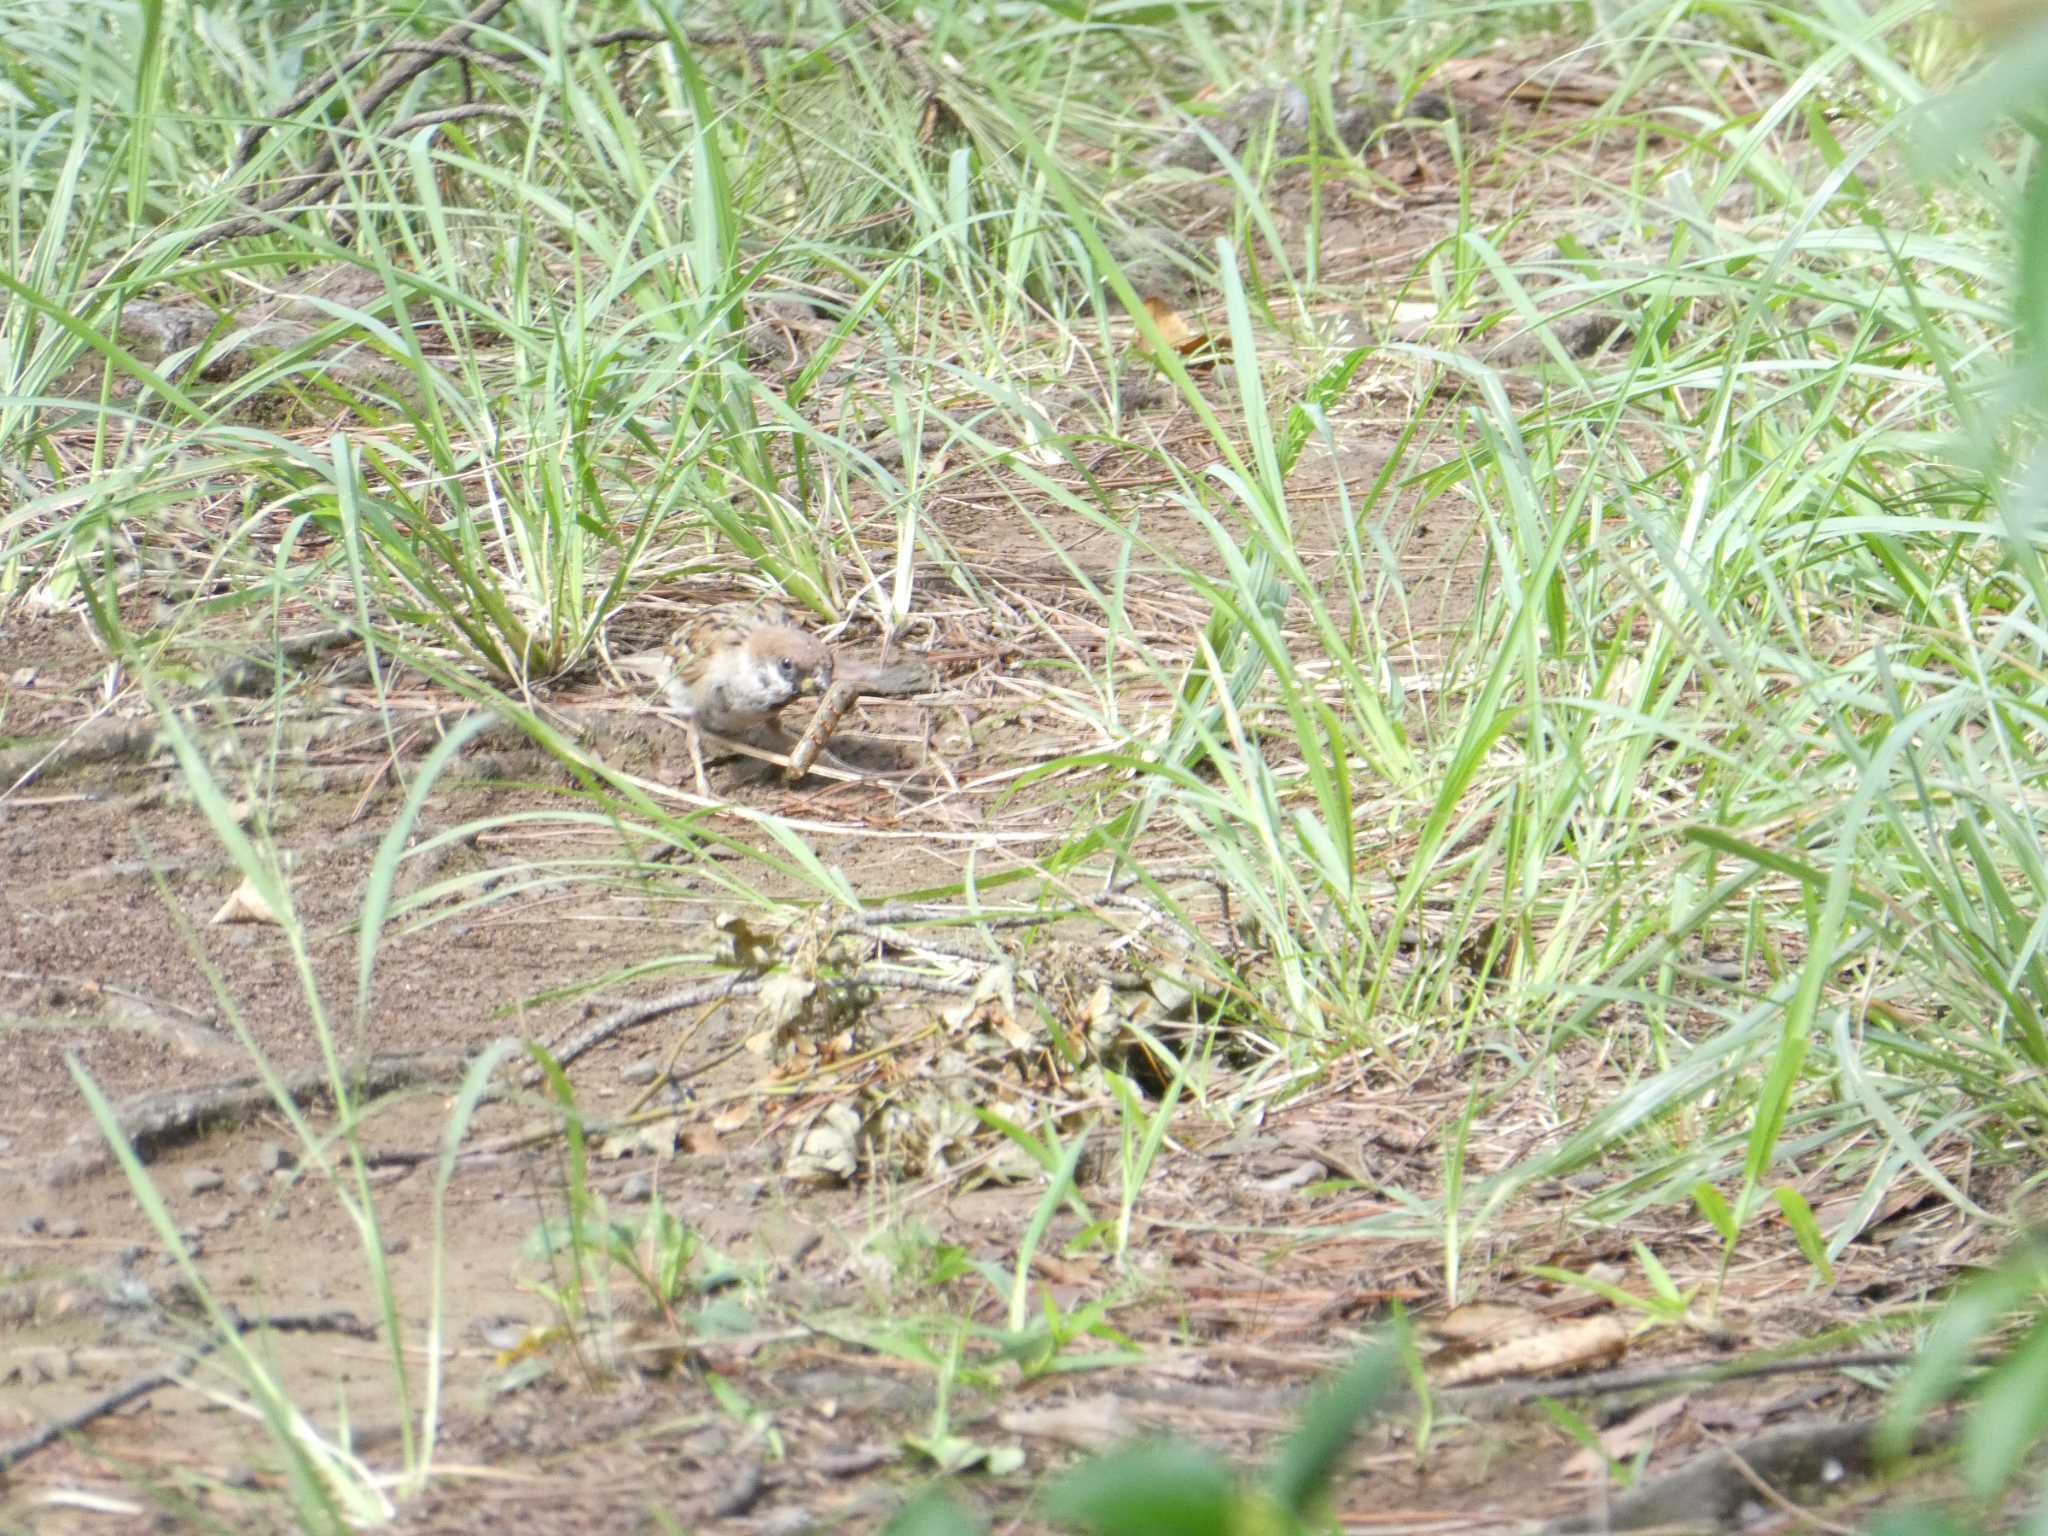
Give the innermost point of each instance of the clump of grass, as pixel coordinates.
(1180, 1489)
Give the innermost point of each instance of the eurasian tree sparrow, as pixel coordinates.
(735, 668)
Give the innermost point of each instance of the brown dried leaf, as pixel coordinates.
(828, 1149)
(1623, 1440)
(785, 998)
(1088, 1424)
(246, 905)
(1550, 1349)
(1484, 1322)
(1198, 347)
(991, 1005)
(732, 1117)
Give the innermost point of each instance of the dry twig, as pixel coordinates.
(346, 1323)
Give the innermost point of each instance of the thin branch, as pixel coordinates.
(633, 1015)
(385, 86)
(904, 44)
(18, 1451)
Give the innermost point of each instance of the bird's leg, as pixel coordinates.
(696, 739)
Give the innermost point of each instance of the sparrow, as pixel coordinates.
(736, 667)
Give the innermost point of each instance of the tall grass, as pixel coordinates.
(1746, 629)
(1747, 685)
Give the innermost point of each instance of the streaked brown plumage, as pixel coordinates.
(735, 668)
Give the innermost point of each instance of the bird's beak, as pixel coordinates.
(817, 682)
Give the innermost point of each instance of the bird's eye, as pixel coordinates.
(788, 669)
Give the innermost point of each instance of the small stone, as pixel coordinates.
(282, 1213)
(1174, 996)
(31, 1226)
(789, 1520)
(179, 1296)
(203, 1181)
(637, 1190)
(49, 1364)
(65, 1227)
(66, 1301)
(254, 1185)
(397, 1245)
(499, 1334)
(639, 1074)
(275, 1157)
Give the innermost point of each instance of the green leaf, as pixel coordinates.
(957, 1453)
(1764, 858)
(1976, 1309)
(1312, 1453)
(1799, 1215)
(934, 1513)
(1922, 1522)
(1151, 1489)
(2031, 299)
(384, 869)
(1661, 1283)
(2010, 1416)
(1716, 1209)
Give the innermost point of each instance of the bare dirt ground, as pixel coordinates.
(780, 1395)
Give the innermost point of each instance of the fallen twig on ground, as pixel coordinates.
(141, 1386)
(152, 1123)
